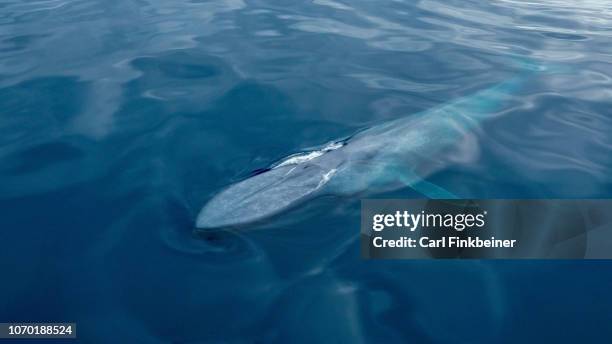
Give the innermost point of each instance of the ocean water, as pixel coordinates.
(120, 119)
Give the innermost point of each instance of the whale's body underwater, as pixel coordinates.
(399, 153)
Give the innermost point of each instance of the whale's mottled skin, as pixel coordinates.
(391, 155)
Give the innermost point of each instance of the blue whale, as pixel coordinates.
(396, 154)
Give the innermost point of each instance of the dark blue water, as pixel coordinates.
(120, 119)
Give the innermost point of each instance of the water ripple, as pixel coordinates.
(119, 119)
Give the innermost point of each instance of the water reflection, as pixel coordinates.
(119, 119)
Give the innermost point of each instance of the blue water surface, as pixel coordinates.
(119, 119)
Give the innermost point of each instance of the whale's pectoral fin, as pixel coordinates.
(433, 191)
(427, 189)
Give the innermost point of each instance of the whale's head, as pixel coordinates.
(271, 191)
